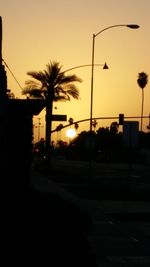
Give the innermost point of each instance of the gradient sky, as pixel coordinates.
(37, 32)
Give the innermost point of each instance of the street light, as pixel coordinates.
(131, 26)
(105, 66)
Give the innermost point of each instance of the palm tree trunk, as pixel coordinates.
(142, 110)
(48, 126)
(49, 108)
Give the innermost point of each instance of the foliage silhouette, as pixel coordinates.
(142, 81)
(52, 85)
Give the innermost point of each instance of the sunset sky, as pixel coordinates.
(37, 32)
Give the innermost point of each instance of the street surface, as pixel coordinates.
(118, 201)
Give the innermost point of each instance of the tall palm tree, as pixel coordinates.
(142, 81)
(52, 85)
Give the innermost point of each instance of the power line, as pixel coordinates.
(12, 74)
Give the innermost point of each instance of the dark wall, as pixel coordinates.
(18, 147)
(15, 153)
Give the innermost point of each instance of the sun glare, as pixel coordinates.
(71, 133)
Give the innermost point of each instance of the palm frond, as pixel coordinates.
(53, 80)
(52, 72)
(70, 78)
(39, 76)
(33, 93)
(32, 84)
(61, 98)
(72, 90)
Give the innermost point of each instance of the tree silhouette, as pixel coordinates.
(114, 127)
(59, 127)
(94, 124)
(76, 125)
(70, 121)
(52, 85)
(142, 81)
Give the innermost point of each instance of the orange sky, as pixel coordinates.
(35, 32)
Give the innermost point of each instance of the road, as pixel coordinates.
(118, 204)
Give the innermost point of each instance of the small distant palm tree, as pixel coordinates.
(52, 85)
(142, 81)
(94, 124)
(76, 125)
(59, 127)
(71, 120)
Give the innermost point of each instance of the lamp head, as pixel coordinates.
(133, 26)
(105, 67)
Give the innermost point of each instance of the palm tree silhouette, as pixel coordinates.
(70, 121)
(52, 85)
(142, 81)
(94, 124)
(76, 125)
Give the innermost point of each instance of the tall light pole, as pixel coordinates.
(131, 26)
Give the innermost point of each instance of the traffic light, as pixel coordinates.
(121, 119)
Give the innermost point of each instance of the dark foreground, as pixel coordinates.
(117, 201)
(69, 219)
(47, 231)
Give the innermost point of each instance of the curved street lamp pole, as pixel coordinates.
(131, 26)
(105, 66)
